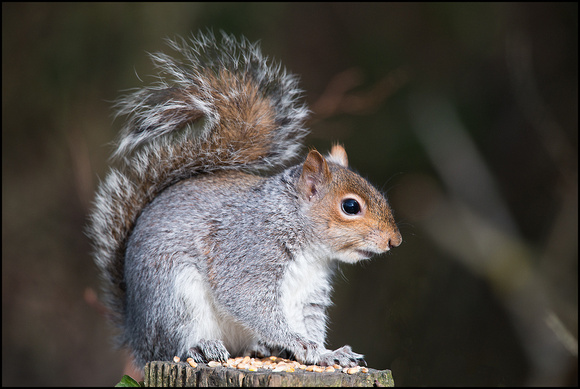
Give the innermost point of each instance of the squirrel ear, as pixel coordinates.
(315, 176)
(338, 155)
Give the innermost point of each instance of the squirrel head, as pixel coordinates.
(352, 217)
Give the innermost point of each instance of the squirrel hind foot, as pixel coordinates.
(208, 350)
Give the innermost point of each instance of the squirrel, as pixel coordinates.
(210, 242)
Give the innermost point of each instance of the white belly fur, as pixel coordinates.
(208, 321)
(305, 278)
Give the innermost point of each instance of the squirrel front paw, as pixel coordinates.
(343, 356)
(208, 350)
(305, 351)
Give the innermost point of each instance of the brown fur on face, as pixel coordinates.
(372, 230)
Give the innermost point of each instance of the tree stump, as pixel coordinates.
(171, 374)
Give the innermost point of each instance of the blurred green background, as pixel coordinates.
(466, 115)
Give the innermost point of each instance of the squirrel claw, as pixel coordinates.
(209, 350)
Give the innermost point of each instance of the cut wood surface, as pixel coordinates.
(171, 374)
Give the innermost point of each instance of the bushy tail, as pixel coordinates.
(224, 106)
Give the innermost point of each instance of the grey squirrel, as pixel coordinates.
(209, 245)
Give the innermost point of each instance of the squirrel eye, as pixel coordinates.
(350, 206)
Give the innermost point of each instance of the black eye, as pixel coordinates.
(350, 206)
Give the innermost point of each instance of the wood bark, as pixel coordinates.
(172, 374)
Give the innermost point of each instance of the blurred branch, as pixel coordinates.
(473, 223)
(535, 109)
(561, 244)
(336, 98)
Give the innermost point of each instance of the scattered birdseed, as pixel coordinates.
(277, 364)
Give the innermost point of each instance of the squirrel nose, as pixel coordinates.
(390, 239)
(395, 240)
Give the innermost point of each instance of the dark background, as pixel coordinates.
(466, 115)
